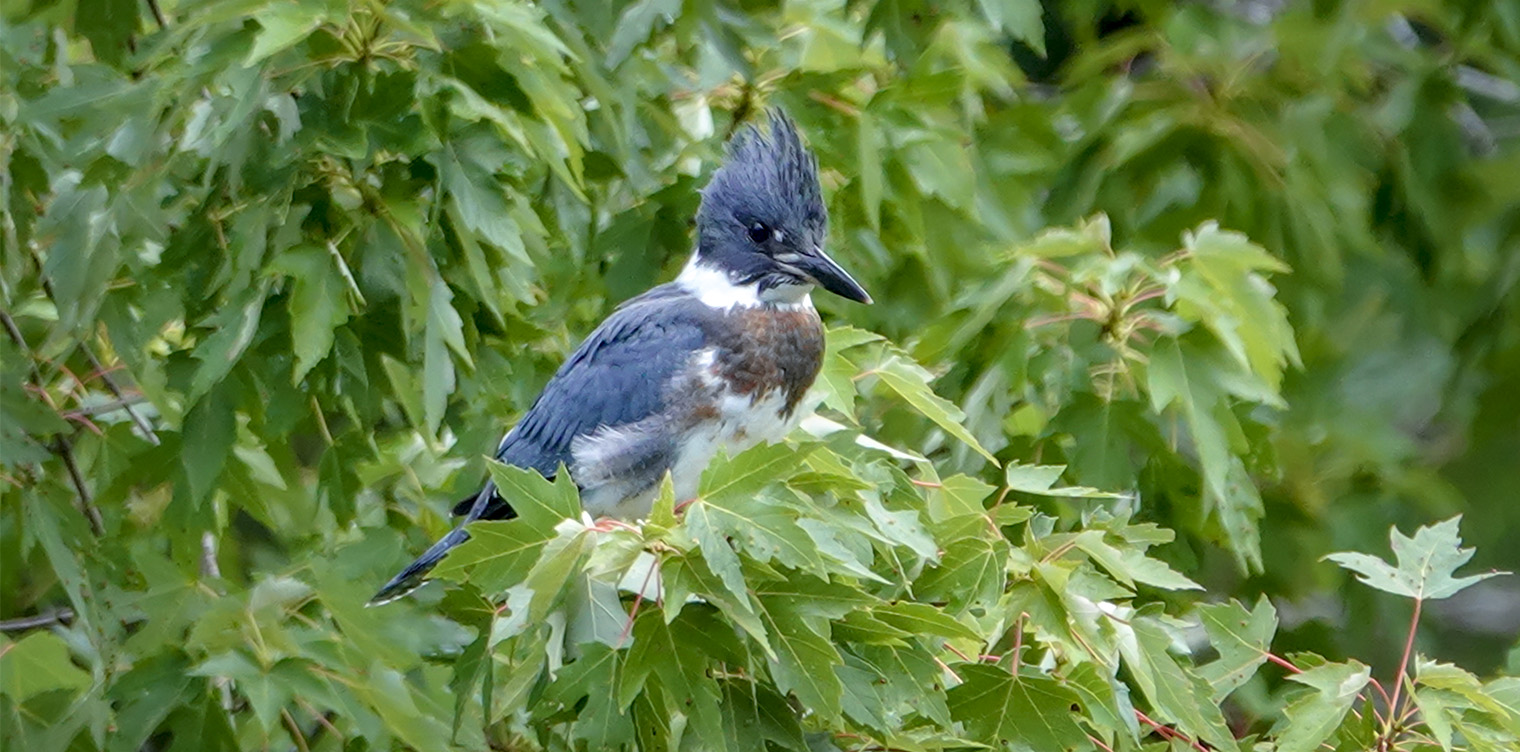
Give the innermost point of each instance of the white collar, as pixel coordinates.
(713, 287)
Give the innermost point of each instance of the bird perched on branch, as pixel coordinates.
(719, 358)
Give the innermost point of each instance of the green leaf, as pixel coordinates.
(842, 338)
(282, 26)
(1028, 710)
(1179, 695)
(686, 576)
(923, 619)
(1089, 237)
(760, 527)
(912, 384)
(674, 655)
(1020, 18)
(868, 138)
(208, 434)
(911, 681)
(317, 303)
(1181, 374)
(497, 555)
(902, 528)
(1236, 303)
(1463, 684)
(1242, 639)
(1041, 481)
(805, 659)
(1107, 433)
(1105, 699)
(234, 326)
(1314, 716)
(39, 662)
(541, 502)
(742, 476)
(1130, 565)
(444, 328)
(109, 25)
(602, 722)
(863, 628)
(708, 530)
(636, 24)
(472, 669)
(861, 698)
(478, 200)
(203, 725)
(1425, 564)
(754, 714)
(972, 571)
(958, 495)
(560, 559)
(1437, 714)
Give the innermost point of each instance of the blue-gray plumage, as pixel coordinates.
(718, 359)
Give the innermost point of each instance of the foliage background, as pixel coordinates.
(328, 251)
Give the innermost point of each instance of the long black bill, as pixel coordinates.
(831, 276)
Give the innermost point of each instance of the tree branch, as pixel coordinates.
(45, 619)
(62, 446)
(121, 399)
(1398, 682)
(158, 15)
(86, 500)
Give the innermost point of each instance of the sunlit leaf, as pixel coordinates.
(1315, 715)
(1425, 567)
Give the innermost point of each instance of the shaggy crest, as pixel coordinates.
(771, 175)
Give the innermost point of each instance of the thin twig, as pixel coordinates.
(638, 600)
(1282, 662)
(946, 668)
(834, 103)
(47, 287)
(1018, 642)
(1398, 684)
(11, 329)
(62, 446)
(138, 420)
(45, 619)
(1100, 744)
(158, 15)
(86, 501)
(107, 407)
(295, 731)
(316, 409)
(1169, 733)
(957, 652)
(324, 721)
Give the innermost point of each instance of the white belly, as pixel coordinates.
(741, 423)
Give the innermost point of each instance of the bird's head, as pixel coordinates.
(762, 224)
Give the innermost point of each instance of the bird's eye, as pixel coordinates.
(759, 233)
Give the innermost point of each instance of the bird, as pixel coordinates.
(718, 359)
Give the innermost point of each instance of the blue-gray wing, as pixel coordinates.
(619, 375)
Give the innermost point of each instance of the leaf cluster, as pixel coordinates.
(276, 274)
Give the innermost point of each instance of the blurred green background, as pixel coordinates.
(329, 251)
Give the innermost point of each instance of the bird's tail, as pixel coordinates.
(415, 574)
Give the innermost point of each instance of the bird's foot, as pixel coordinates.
(609, 524)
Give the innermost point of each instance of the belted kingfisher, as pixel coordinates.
(719, 358)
